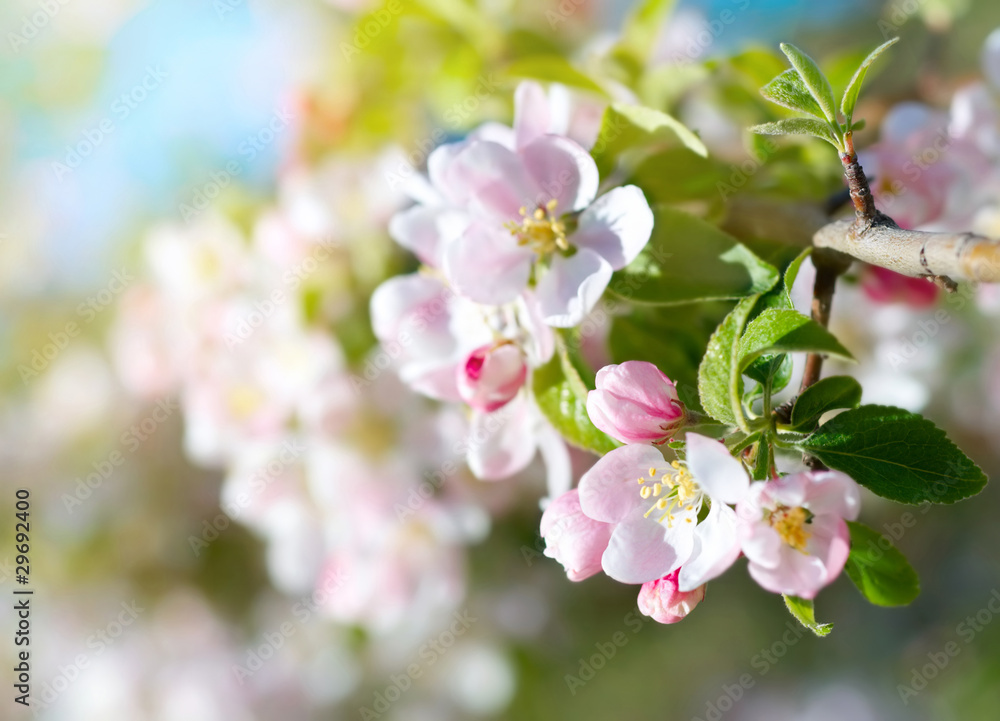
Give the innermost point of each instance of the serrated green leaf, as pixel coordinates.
(896, 454)
(720, 385)
(879, 570)
(637, 128)
(805, 614)
(561, 394)
(798, 126)
(787, 331)
(814, 79)
(689, 260)
(826, 395)
(553, 69)
(792, 273)
(788, 90)
(850, 99)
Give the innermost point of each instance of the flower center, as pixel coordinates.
(675, 491)
(789, 522)
(541, 230)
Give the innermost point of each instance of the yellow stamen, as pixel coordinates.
(789, 522)
(541, 229)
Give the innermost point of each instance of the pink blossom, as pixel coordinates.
(505, 206)
(492, 375)
(662, 601)
(654, 507)
(635, 403)
(885, 286)
(794, 531)
(572, 538)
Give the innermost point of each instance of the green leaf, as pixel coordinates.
(677, 175)
(553, 69)
(641, 29)
(879, 570)
(674, 342)
(787, 331)
(720, 385)
(805, 614)
(853, 90)
(825, 395)
(688, 260)
(897, 455)
(814, 79)
(788, 90)
(638, 128)
(792, 272)
(798, 126)
(561, 394)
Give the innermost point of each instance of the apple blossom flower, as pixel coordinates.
(492, 375)
(662, 601)
(635, 403)
(794, 533)
(654, 507)
(886, 286)
(572, 538)
(505, 209)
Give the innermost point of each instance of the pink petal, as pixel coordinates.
(500, 184)
(531, 112)
(501, 443)
(662, 601)
(555, 455)
(486, 265)
(427, 230)
(718, 473)
(561, 171)
(609, 491)
(571, 287)
(617, 226)
(796, 574)
(716, 547)
(642, 550)
(573, 539)
(833, 492)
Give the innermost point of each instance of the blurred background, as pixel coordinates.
(173, 173)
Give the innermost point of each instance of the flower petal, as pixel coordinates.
(609, 491)
(427, 230)
(487, 266)
(555, 455)
(833, 492)
(571, 287)
(562, 171)
(499, 183)
(508, 443)
(531, 112)
(716, 547)
(642, 550)
(617, 226)
(718, 473)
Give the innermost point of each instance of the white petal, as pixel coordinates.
(486, 265)
(427, 230)
(643, 550)
(716, 547)
(572, 286)
(501, 443)
(531, 112)
(562, 171)
(555, 454)
(616, 226)
(718, 473)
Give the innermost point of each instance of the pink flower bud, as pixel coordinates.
(661, 601)
(635, 403)
(572, 538)
(491, 376)
(886, 286)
